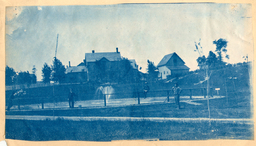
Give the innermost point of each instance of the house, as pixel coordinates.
(110, 67)
(76, 74)
(102, 66)
(109, 56)
(171, 65)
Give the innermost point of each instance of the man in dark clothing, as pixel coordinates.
(177, 90)
(146, 89)
(71, 97)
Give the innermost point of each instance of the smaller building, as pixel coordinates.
(172, 66)
(76, 74)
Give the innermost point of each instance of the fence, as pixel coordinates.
(56, 99)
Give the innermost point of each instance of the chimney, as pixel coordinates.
(69, 64)
(92, 51)
(117, 50)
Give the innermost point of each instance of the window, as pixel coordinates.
(164, 72)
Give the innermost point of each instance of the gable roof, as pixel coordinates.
(103, 59)
(167, 58)
(73, 69)
(111, 56)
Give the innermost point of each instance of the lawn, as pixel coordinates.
(236, 107)
(103, 130)
(124, 130)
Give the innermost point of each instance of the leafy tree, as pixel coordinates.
(211, 60)
(58, 71)
(152, 70)
(33, 75)
(46, 73)
(9, 75)
(34, 69)
(201, 61)
(24, 77)
(33, 78)
(127, 72)
(221, 45)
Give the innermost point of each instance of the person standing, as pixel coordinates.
(176, 91)
(71, 97)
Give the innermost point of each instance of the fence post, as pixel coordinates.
(42, 103)
(167, 95)
(138, 98)
(204, 92)
(190, 93)
(105, 103)
(18, 103)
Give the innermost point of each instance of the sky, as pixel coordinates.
(140, 31)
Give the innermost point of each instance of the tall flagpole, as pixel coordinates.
(207, 90)
(56, 45)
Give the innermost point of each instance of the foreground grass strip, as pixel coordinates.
(154, 119)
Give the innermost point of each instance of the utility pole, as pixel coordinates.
(56, 46)
(198, 46)
(53, 84)
(207, 77)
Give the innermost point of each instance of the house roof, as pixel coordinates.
(166, 59)
(73, 69)
(111, 56)
(81, 64)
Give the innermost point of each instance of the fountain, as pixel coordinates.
(108, 90)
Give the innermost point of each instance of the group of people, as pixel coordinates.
(175, 89)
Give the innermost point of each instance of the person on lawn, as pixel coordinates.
(71, 96)
(176, 91)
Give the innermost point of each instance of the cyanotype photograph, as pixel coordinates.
(153, 72)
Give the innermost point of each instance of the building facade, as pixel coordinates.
(171, 66)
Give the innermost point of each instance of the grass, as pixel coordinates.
(126, 130)
(102, 130)
(237, 107)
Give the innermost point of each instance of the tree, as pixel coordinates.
(34, 69)
(46, 73)
(58, 71)
(201, 61)
(128, 74)
(9, 75)
(211, 60)
(152, 70)
(24, 77)
(221, 45)
(33, 75)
